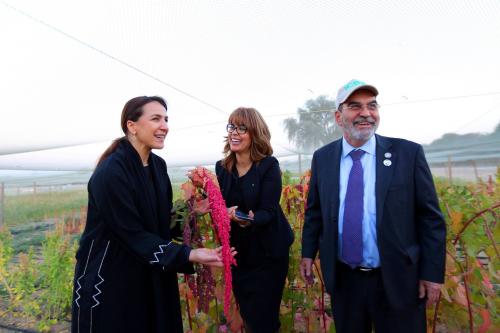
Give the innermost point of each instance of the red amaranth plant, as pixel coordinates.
(207, 181)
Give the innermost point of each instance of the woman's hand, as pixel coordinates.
(209, 257)
(231, 212)
(244, 223)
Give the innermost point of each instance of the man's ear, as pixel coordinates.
(338, 118)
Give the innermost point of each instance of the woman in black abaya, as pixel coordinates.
(127, 264)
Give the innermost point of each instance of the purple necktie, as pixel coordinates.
(352, 232)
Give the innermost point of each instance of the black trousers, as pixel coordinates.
(360, 305)
(258, 291)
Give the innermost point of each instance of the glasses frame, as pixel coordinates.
(356, 107)
(240, 129)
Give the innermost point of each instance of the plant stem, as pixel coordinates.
(190, 320)
(466, 286)
(322, 305)
(436, 309)
(472, 219)
(489, 234)
(7, 287)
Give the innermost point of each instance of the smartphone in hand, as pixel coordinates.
(243, 216)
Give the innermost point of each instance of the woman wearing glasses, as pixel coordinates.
(250, 181)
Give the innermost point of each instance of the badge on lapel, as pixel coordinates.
(387, 162)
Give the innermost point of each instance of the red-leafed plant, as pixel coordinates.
(202, 193)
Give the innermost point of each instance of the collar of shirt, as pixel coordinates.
(368, 147)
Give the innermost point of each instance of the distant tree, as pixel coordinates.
(315, 126)
(454, 139)
(496, 132)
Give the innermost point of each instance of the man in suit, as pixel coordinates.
(373, 215)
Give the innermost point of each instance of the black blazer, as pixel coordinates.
(411, 232)
(262, 196)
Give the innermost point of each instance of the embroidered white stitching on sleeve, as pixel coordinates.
(102, 280)
(77, 291)
(155, 254)
(96, 286)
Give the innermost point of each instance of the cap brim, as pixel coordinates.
(362, 87)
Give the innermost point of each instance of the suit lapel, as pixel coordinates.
(333, 179)
(383, 172)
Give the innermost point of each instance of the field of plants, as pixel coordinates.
(38, 243)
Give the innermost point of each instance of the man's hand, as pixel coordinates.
(306, 270)
(429, 289)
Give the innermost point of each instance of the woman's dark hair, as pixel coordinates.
(132, 110)
(260, 136)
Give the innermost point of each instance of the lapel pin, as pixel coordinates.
(387, 155)
(387, 162)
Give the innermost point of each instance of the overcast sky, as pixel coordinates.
(67, 68)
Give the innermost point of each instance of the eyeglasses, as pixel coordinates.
(240, 129)
(356, 107)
